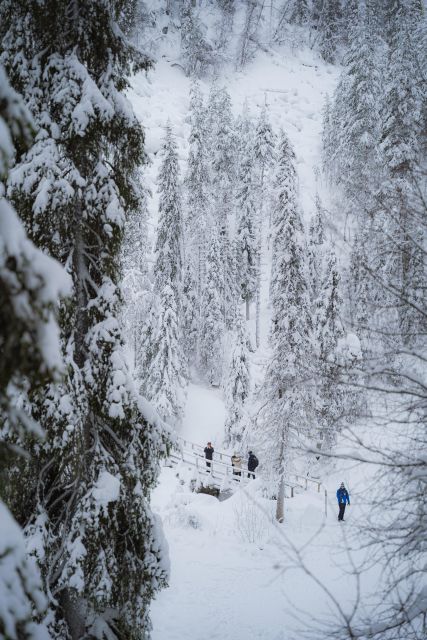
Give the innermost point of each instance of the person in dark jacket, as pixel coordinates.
(252, 464)
(343, 499)
(209, 451)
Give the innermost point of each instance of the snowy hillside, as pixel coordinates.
(233, 574)
(213, 320)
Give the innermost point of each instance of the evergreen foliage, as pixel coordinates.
(237, 386)
(287, 417)
(352, 130)
(164, 362)
(30, 286)
(264, 154)
(211, 331)
(190, 314)
(170, 241)
(222, 155)
(246, 223)
(165, 382)
(249, 36)
(225, 27)
(194, 48)
(87, 492)
(299, 13)
(402, 134)
(197, 183)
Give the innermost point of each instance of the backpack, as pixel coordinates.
(255, 461)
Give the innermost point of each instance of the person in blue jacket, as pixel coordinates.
(343, 499)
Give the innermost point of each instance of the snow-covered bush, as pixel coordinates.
(251, 523)
(183, 517)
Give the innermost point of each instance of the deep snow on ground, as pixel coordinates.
(233, 574)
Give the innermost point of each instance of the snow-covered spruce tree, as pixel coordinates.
(326, 21)
(335, 399)
(245, 133)
(222, 157)
(331, 398)
(246, 223)
(189, 315)
(248, 41)
(287, 414)
(31, 284)
(197, 183)
(327, 136)
(264, 155)
(211, 332)
(299, 12)
(237, 386)
(403, 127)
(232, 284)
(225, 25)
(169, 242)
(222, 153)
(136, 284)
(352, 129)
(86, 495)
(196, 52)
(165, 383)
(264, 148)
(164, 378)
(316, 250)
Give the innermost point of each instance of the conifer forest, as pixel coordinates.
(213, 320)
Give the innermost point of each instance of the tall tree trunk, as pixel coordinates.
(247, 309)
(258, 312)
(258, 277)
(81, 327)
(280, 507)
(75, 613)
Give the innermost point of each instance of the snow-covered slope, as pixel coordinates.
(235, 574)
(293, 84)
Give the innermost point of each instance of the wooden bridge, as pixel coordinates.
(221, 474)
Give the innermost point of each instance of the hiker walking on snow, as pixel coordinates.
(236, 462)
(343, 499)
(209, 451)
(252, 464)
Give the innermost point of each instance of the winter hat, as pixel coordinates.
(342, 485)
